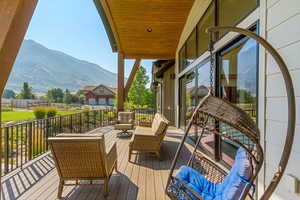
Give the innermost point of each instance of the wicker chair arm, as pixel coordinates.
(111, 156)
(138, 136)
(145, 123)
(187, 188)
(144, 141)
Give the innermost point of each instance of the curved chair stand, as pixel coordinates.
(291, 103)
(219, 117)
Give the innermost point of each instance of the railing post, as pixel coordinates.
(88, 120)
(95, 115)
(101, 118)
(47, 132)
(71, 123)
(80, 122)
(60, 124)
(30, 141)
(6, 150)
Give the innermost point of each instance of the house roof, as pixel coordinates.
(114, 90)
(144, 29)
(90, 88)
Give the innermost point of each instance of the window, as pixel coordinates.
(102, 101)
(191, 48)
(208, 20)
(230, 12)
(158, 98)
(238, 80)
(182, 61)
(203, 79)
(111, 101)
(238, 75)
(188, 99)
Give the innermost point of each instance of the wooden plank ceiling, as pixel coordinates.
(130, 19)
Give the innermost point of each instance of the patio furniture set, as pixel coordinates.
(86, 157)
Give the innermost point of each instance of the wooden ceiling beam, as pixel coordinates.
(111, 22)
(14, 20)
(150, 56)
(134, 69)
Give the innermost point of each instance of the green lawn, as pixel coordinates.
(7, 116)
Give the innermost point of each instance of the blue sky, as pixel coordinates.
(74, 27)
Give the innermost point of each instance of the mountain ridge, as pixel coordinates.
(45, 68)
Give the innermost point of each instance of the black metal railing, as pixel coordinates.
(143, 114)
(25, 141)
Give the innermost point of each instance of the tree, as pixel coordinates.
(56, 95)
(139, 94)
(67, 97)
(80, 95)
(244, 96)
(9, 94)
(26, 92)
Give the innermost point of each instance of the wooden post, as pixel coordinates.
(131, 77)
(120, 82)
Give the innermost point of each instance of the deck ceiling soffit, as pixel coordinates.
(146, 29)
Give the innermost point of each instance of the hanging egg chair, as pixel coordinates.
(202, 178)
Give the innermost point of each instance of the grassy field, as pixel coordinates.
(7, 116)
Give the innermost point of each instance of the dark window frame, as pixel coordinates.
(214, 3)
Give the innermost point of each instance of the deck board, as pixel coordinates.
(143, 178)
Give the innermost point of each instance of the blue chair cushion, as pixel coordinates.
(232, 187)
(197, 183)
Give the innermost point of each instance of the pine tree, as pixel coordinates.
(56, 95)
(26, 92)
(67, 97)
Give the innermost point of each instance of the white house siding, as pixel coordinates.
(282, 24)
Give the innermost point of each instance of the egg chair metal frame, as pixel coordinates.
(209, 106)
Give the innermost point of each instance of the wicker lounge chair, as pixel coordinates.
(125, 122)
(149, 139)
(83, 157)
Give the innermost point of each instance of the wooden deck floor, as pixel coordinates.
(143, 178)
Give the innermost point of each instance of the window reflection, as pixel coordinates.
(238, 75)
(191, 48)
(182, 61)
(208, 20)
(238, 84)
(230, 12)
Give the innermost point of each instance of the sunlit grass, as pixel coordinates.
(7, 116)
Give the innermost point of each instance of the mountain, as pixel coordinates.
(44, 69)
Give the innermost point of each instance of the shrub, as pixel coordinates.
(86, 109)
(39, 112)
(51, 112)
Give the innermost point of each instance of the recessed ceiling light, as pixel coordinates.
(149, 29)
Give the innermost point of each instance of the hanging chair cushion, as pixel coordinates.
(232, 187)
(197, 183)
(237, 179)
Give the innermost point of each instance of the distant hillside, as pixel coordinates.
(44, 69)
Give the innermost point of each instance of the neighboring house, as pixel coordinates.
(99, 95)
